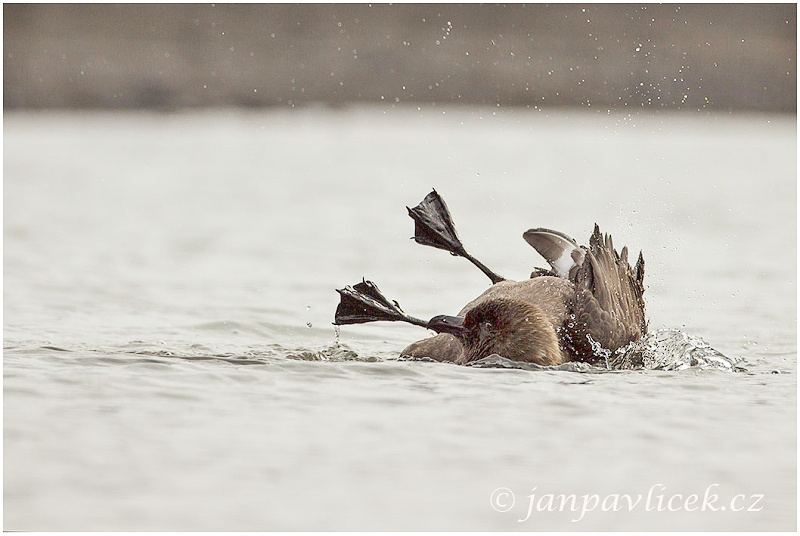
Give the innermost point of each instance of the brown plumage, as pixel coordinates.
(593, 295)
(516, 329)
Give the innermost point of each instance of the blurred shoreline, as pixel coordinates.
(714, 57)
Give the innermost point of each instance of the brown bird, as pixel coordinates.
(589, 302)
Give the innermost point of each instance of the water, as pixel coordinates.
(170, 363)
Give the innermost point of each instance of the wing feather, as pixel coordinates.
(563, 254)
(608, 305)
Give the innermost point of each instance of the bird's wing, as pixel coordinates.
(608, 303)
(559, 250)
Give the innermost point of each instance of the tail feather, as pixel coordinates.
(639, 270)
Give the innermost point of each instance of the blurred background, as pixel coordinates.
(696, 56)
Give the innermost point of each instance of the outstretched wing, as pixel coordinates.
(608, 303)
(560, 251)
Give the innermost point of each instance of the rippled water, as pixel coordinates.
(170, 363)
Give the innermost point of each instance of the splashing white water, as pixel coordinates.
(665, 349)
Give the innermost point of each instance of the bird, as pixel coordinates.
(588, 304)
(591, 301)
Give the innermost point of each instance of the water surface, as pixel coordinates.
(170, 363)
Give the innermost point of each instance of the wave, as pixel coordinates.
(664, 349)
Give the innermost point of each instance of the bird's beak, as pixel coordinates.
(454, 325)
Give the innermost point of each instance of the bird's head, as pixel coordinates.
(515, 329)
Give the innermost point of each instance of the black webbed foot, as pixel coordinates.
(433, 226)
(364, 302)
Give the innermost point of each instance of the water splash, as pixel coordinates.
(672, 349)
(664, 349)
(599, 351)
(335, 352)
(336, 336)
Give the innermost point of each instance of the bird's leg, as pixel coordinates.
(433, 226)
